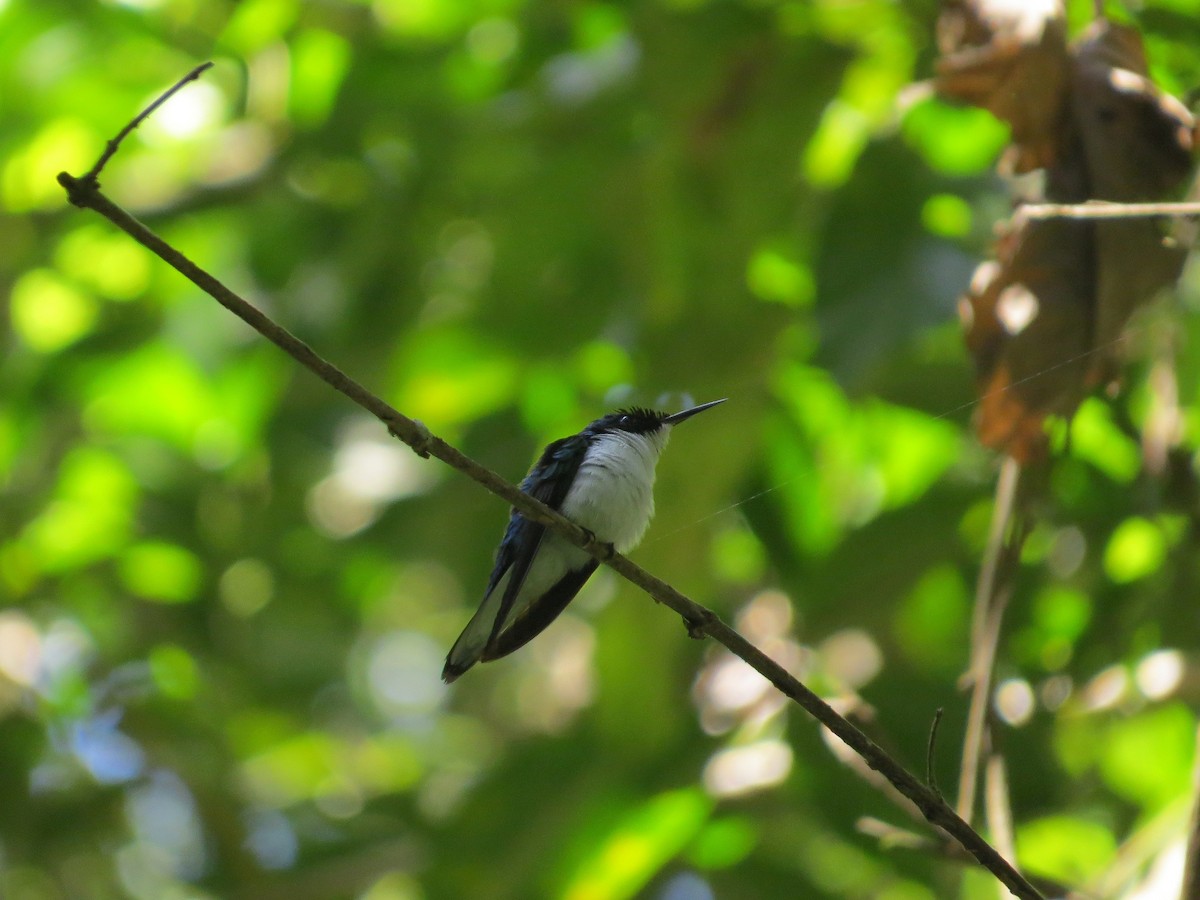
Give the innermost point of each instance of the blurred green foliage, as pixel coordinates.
(227, 593)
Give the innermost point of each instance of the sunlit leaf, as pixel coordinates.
(90, 515)
(1165, 735)
(319, 61)
(1136, 549)
(931, 623)
(156, 390)
(957, 140)
(155, 570)
(174, 671)
(1096, 438)
(49, 313)
(108, 262)
(1064, 847)
(454, 377)
(723, 843)
(639, 846)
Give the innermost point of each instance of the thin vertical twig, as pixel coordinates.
(993, 590)
(1190, 888)
(997, 808)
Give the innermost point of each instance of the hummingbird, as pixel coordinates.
(602, 479)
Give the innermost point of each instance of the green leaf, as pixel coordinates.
(156, 570)
(625, 859)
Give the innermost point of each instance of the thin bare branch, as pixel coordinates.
(997, 808)
(1104, 209)
(93, 175)
(85, 193)
(991, 598)
(930, 754)
(1190, 889)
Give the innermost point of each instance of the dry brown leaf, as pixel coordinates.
(1011, 59)
(1043, 320)
(1026, 323)
(1137, 143)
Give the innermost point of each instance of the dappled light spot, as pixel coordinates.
(339, 798)
(244, 150)
(1107, 689)
(748, 768)
(732, 685)
(1014, 701)
(1016, 307)
(1166, 873)
(686, 886)
(164, 816)
(20, 648)
(271, 838)
(1158, 674)
(336, 511)
(563, 680)
(110, 755)
(1055, 691)
(174, 671)
(493, 41)
(48, 312)
(768, 615)
(246, 587)
(402, 672)
(728, 691)
(576, 78)
(394, 886)
(851, 656)
(375, 467)
(1067, 552)
(187, 114)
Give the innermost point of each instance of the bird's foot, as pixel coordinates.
(603, 550)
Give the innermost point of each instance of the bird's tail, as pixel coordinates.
(469, 647)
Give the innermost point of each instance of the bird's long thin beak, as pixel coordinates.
(678, 417)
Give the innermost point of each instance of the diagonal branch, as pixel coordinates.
(85, 193)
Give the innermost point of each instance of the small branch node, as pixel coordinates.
(698, 623)
(420, 439)
(76, 188)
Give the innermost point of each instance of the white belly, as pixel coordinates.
(613, 492)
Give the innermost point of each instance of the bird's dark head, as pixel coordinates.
(638, 420)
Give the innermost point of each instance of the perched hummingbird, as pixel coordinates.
(601, 479)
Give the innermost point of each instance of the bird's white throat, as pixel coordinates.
(613, 492)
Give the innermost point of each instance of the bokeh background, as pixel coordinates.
(227, 593)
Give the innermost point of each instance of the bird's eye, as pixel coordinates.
(624, 420)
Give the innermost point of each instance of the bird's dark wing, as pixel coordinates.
(536, 617)
(549, 482)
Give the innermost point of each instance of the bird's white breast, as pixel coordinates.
(613, 492)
